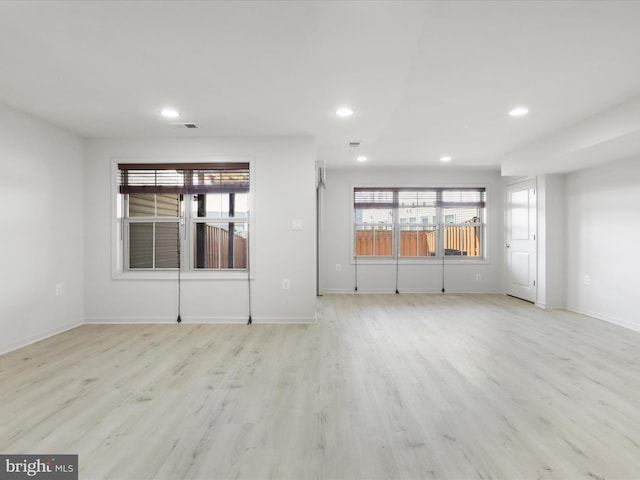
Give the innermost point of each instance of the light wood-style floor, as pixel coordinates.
(385, 386)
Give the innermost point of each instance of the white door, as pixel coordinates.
(520, 241)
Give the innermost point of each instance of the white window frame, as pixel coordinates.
(119, 249)
(189, 236)
(395, 257)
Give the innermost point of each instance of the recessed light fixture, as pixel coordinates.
(344, 112)
(445, 158)
(169, 113)
(361, 158)
(518, 111)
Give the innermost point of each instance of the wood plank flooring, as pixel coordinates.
(383, 387)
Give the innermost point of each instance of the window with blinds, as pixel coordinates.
(187, 216)
(184, 178)
(419, 222)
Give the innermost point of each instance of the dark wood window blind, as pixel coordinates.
(183, 178)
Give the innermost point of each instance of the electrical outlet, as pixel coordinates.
(286, 285)
(587, 280)
(478, 277)
(58, 289)
(338, 267)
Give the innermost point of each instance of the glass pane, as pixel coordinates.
(462, 231)
(215, 248)
(206, 252)
(141, 245)
(374, 216)
(241, 205)
(167, 237)
(142, 205)
(462, 240)
(240, 239)
(416, 214)
(168, 204)
(428, 219)
(461, 215)
(417, 241)
(374, 240)
(210, 205)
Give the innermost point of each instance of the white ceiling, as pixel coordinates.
(424, 78)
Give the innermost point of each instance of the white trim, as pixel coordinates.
(159, 320)
(485, 259)
(118, 272)
(31, 339)
(227, 320)
(409, 292)
(615, 321)
(434, 261)
(544, 306)
(172, 275)
(523, 181)
(286, 320)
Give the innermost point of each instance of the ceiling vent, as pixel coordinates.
(183, 125)
(353, 144)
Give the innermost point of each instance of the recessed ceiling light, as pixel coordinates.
(361, 158)
(445, 159)
(519, 111)
(344, 112)
(169, 113)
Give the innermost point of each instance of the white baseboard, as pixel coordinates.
(378, 292)
(25, 341)
(285, 320)
(198, 319)
(616, 321)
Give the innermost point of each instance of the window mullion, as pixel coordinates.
(155, 214)
(153, 246)
(220, 257)
(126, 245)
(395, 250)
(124, 232)
(186, 259)
(440, 225)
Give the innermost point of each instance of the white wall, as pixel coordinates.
(41, 191)
(426, 277)
(603, 235)
(551, 242)
(284, 190)
(611, 134)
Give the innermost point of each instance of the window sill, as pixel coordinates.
(452, 260)
(186, 276)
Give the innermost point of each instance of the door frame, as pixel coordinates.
(530, 182)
